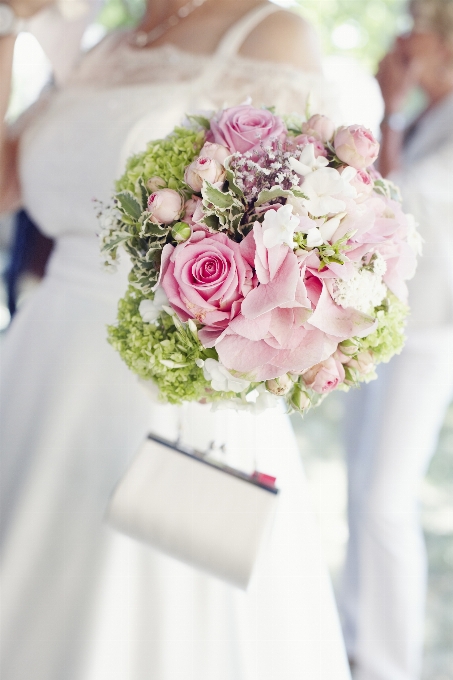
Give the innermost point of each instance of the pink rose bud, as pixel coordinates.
(324, 377)
(165, 205)
(303, 140)
(190, 207)
(203, 169)
(363, 364)
(320, 127)
(217, 152)
(349, 347)
(156, 183)
(356, 146)
(299, 400)
(339, 356)
(279, 386)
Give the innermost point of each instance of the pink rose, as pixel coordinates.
(356, 146)
(325, 376)
(320, 127)
(206, 280)
(165, 205)
(242, 128)
(318, 147)
(201, 169)
(217, 152)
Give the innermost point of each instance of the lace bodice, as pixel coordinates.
(120, 97)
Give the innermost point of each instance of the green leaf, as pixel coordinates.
(277, 192)
(151, 228)
(129, 204)
(116, 242)
(200, 120)
(211, 221)
(143, 193)
(216, 197)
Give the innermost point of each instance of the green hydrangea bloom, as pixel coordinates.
(162, 353)
(166, 158)
(388, 338)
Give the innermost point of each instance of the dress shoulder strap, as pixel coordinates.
(232, 40)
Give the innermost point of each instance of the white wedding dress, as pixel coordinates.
(81, 602)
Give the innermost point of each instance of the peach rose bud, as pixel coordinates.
(320, 127)
(201, 169)
(165, 205)
(300, 400)
(325, 376)
(363, 363)
(217, 152)
(156, 183)
(279, 386)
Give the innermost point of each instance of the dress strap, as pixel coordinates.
(232, 40)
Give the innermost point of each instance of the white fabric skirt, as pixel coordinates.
(81, 602)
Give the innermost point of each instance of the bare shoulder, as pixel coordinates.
(285, 37)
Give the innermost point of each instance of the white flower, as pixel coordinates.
(298, 205)
(221, 379)
(364, 291)
(314, 238)
(263, 400)
(279, 226)
(322, 188)
(414, 238)
(150, 309)
(329, 227)
(308, 162)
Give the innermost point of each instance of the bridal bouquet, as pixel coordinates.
(269, 258)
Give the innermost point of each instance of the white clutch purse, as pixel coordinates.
(201, 512)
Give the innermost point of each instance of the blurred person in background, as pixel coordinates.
(79, 601)
(393, 424)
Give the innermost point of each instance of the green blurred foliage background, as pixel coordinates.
(358, 28)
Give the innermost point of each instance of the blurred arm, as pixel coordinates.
(287, 38)
(395, 77)
(60, 36)
(9, 184)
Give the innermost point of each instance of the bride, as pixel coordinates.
(79, 601)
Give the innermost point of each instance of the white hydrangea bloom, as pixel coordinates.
(364, 291)
(379, 265)
(221, 379)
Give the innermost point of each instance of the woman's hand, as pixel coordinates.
(396, 76)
